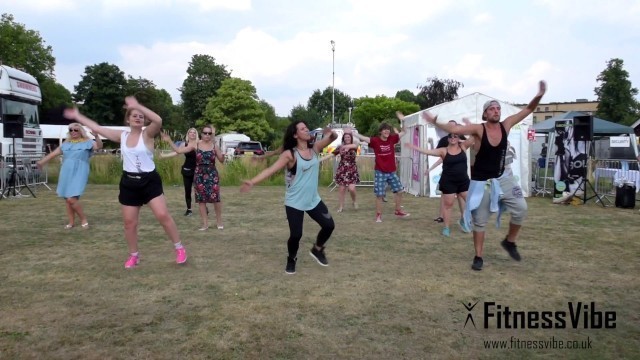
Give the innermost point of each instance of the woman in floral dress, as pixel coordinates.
(347, 173)
(206, 179)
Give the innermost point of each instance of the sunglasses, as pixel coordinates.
(206, 133)
(74, 130)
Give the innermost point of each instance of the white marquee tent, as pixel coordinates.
(470, 106)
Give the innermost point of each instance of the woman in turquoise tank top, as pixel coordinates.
(302, 164)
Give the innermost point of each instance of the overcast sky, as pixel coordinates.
(499, 48)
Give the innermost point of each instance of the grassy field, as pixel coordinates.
(395, 290)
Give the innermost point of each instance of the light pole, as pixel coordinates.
(333, 82)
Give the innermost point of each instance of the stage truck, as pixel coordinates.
(19, 99)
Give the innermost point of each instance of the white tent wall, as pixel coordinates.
(469, 106)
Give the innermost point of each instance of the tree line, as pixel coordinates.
(210, 94)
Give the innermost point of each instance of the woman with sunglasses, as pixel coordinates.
(188, 169)
(140, 182)
(74, 172)
(454, 180)
(206, 179)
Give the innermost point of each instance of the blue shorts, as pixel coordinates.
(380, 181)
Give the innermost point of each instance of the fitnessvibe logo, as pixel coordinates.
(576, 315)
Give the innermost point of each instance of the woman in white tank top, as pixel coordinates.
(140, 183)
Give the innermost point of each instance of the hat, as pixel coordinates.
(486, 106)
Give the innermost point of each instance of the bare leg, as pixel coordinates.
(130, 216)
(398, 199)
(75, 204)
(514, 230)
(70, 212)
(203, 215)
(447, 202)
(379, 204)
(217, 206)
(478, 242)
(159, 208)
(341, 195)
(352, 192)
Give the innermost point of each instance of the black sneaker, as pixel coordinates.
(188, 212)
(477, 263)
(291, 265)
(511, 248)
(319, 256)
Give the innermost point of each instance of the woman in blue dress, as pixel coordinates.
(74, 172)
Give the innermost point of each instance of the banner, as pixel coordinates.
(415, 164)
(571, 159)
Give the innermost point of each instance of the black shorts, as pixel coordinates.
(454, 186)
(137, 189)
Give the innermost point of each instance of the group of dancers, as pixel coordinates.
(490, 189)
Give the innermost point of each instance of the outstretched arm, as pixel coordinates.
(74, 114)
(533, 104)
(400, 117)
(97, 144)
(178, 150)
(328, 136)
(284, 159)
(40, 163)
(433, 152)
(451, 128)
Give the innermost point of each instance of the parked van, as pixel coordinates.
(230, 141)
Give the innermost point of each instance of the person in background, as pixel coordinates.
(74, 173)
(188, 169)
(347, 172)
(383, 147)
(454, 180)
(140, 183)
(303, 168)
(207, 180)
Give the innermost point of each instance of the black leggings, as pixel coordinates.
(319, 214)
(188, 189)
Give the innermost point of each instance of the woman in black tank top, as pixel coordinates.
(188, 167)
(454, 180)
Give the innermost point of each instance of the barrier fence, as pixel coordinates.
(366, 169)
(26, 174)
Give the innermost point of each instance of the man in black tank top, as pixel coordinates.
(490, 148)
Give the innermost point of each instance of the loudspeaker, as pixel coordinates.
(12, 126)
(583, 128)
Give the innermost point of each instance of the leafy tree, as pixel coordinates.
(54, 97)
(437, 91)
(204, 78)
(310, 116)
(277, 125)
(615, 94)
(370, 112)
(101, 91)
(25, 49)
(322, 103)
(155, 99)
(407, 95)
(236, 107)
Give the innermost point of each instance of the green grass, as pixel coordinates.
(392, 291)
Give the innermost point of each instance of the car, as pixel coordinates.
(248, 147)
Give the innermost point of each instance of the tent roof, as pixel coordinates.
(600, 127)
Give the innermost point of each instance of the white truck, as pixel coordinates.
(228, 142)
(19, 99)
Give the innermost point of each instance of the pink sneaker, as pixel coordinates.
(400, 213)
(181, 256)
(131, 262)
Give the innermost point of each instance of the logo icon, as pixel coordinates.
(469, 308)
